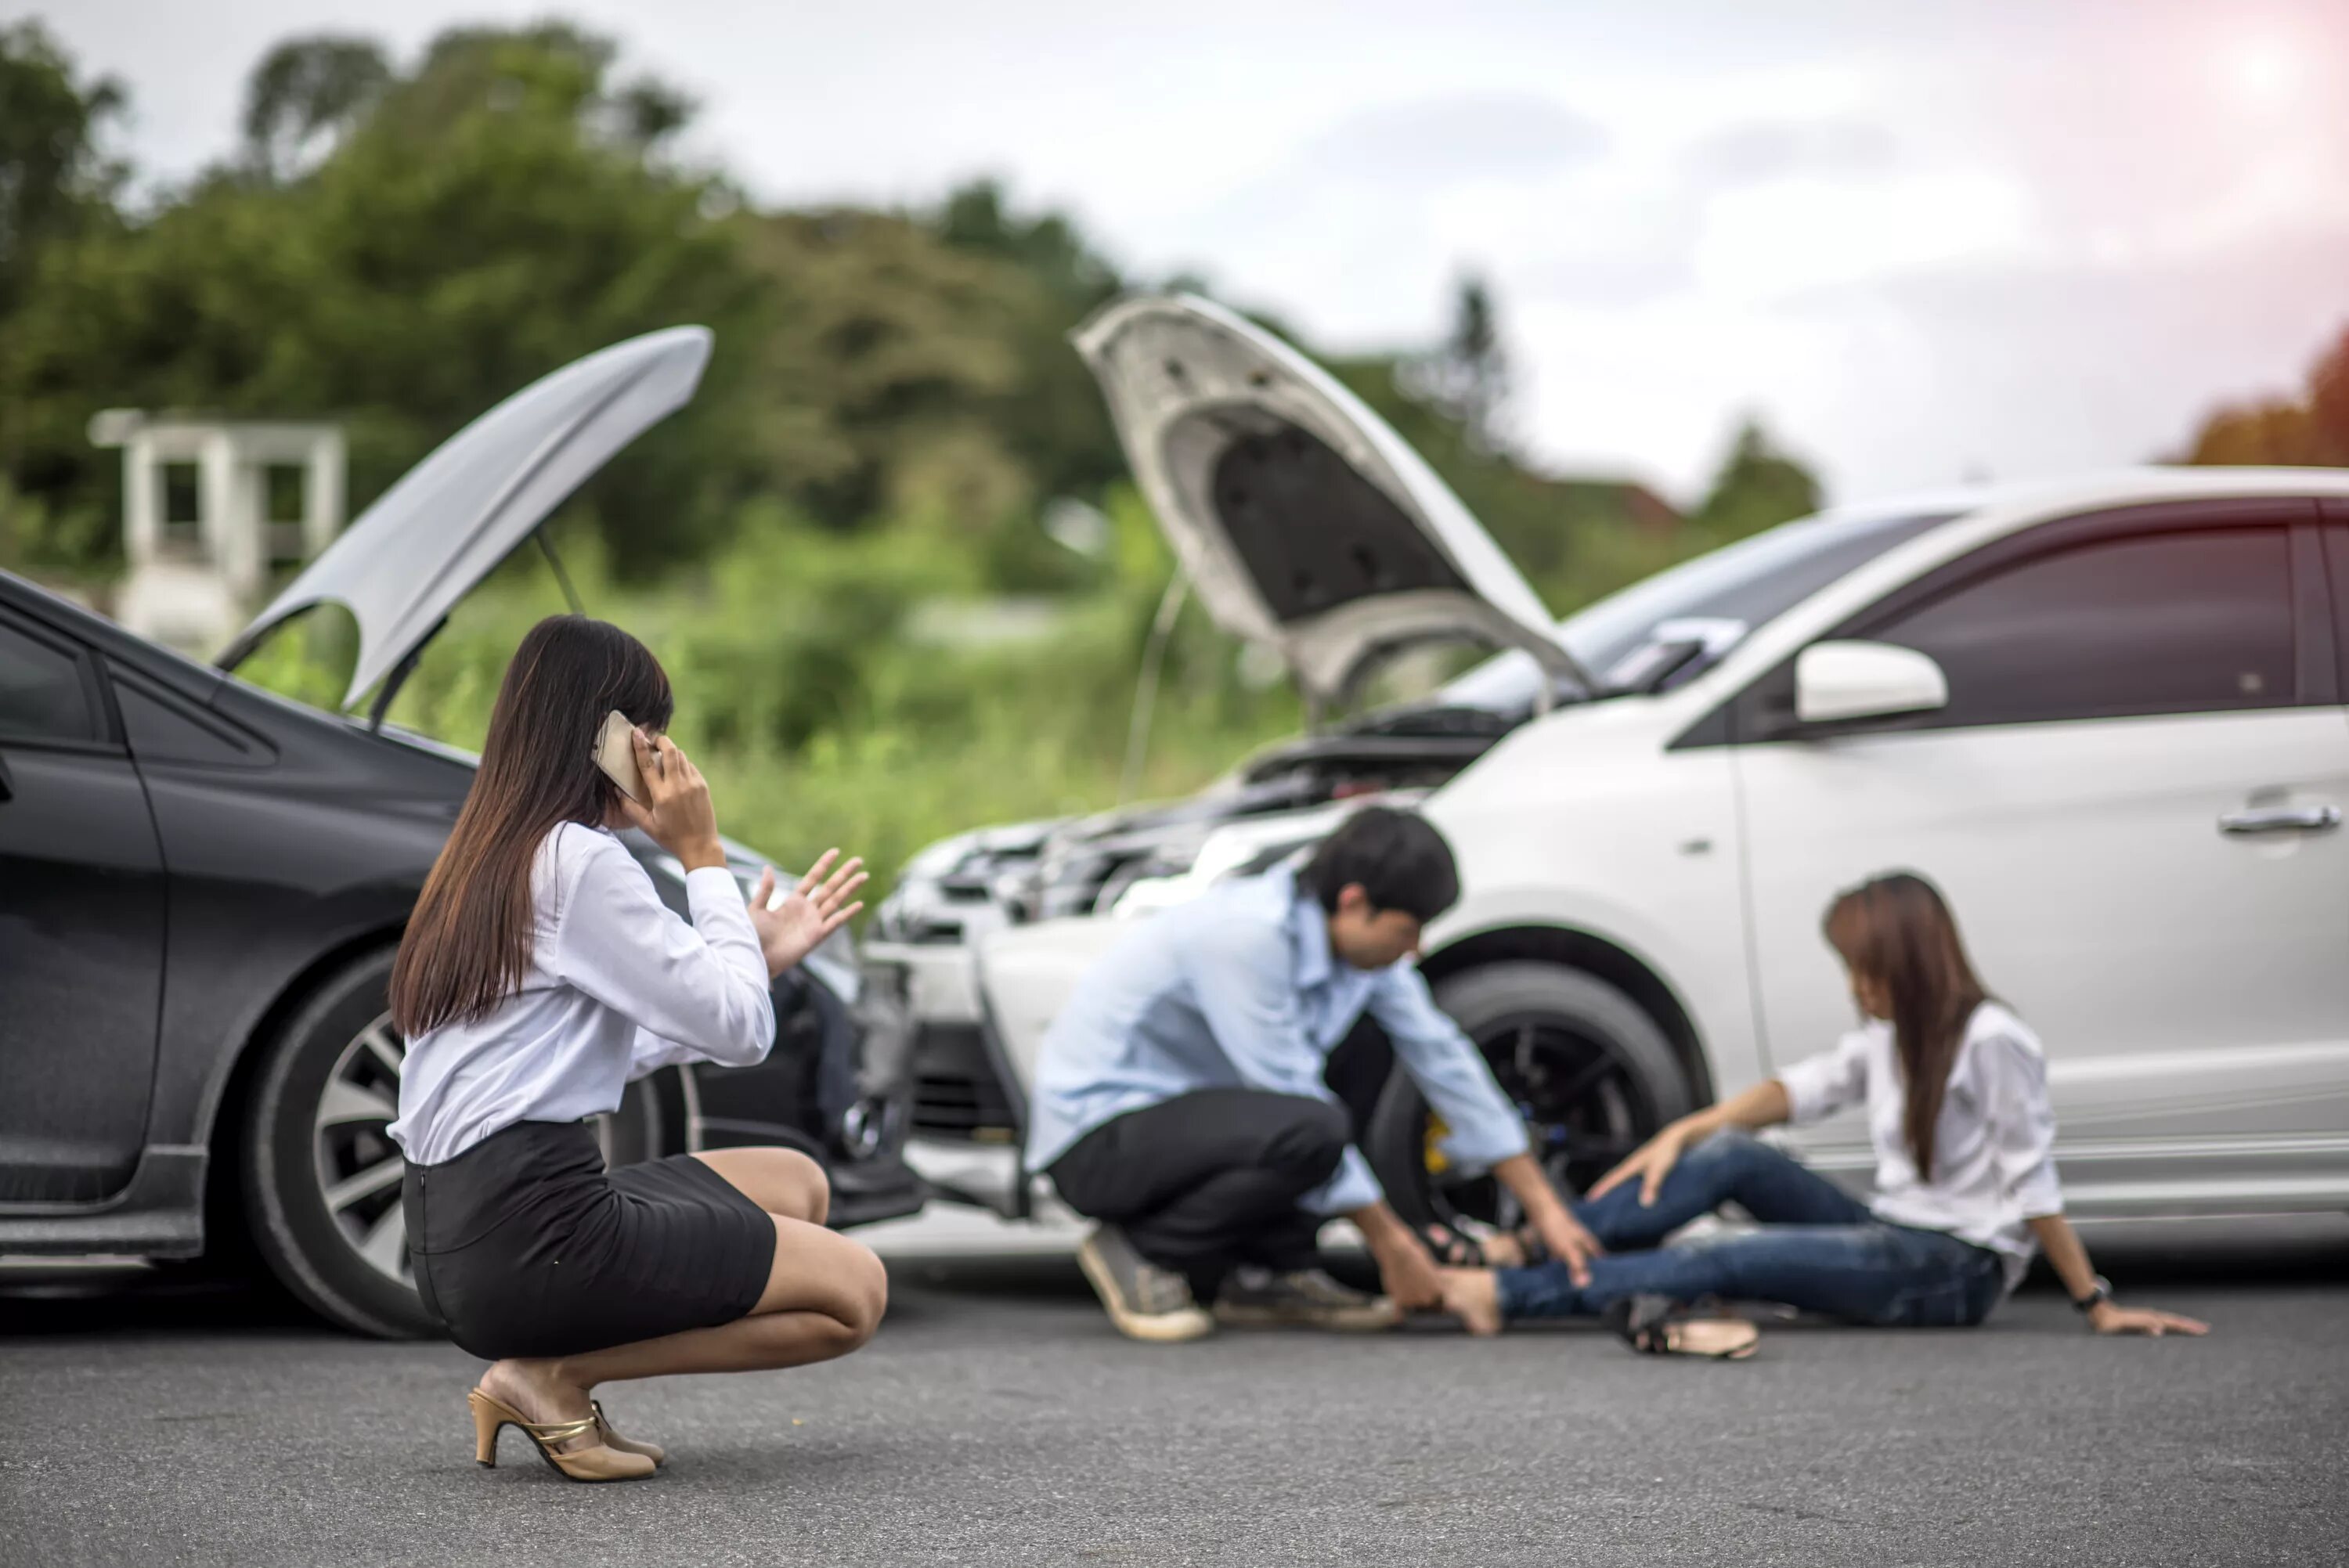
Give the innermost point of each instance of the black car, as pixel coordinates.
(201, 885)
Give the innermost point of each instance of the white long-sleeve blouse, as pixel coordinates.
(617, 985)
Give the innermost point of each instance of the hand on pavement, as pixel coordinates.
(2111, 1317)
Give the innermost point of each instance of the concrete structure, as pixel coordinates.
(201, 542)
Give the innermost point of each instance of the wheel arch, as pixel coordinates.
(1594, 956)
(220, 1115)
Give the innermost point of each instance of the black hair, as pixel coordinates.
(1398, 857)
(468, 943)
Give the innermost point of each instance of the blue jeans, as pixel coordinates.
(1820, 1249)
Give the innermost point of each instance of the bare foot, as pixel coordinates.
(1470, 1295)
(540, 1393)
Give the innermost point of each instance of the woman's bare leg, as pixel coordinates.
(781, 1180)
(824, 1296)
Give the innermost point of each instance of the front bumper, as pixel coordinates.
(966, 1113)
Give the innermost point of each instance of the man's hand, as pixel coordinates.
(1651, 1163)
(1551, 1220)
(1406, 1274)
(1569, 1243)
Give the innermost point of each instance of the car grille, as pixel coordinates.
(957, 1094)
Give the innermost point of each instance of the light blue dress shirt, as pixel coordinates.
(1238, 989)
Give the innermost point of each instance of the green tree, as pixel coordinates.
(1051, 417)
(56, 185)
(1468, 378)
(501, 209)
(306, 91)
(2312, 429)
(1757, 487)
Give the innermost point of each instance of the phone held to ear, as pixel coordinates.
(615, 754)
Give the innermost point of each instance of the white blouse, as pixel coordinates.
(617, 985)
(1994, 1164)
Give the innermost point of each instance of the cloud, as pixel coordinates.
(1446, 141)
(1757, 152)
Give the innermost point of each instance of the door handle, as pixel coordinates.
(2281, 820)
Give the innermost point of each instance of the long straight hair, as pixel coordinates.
(1896, 931)
(468, 944)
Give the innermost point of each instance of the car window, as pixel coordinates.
(1742, 587)
(2163, 622)
(42, 692)
(2336, 563)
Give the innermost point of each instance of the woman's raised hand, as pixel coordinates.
(676, 810)
(811, 911)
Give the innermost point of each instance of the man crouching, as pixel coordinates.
(1180, 1096)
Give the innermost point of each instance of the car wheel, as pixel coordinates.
(1589, 1071)
(320, 1175)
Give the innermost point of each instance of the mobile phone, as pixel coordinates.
(615, 754)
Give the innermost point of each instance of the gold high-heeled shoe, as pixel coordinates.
(613, 1440)
(602, 1463)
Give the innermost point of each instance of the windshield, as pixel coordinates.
(1725, 594)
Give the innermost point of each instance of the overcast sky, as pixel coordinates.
(1921, 242)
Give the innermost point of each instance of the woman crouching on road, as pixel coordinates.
(1956, 1094)
(540, 974)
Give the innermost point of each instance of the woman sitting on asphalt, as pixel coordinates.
(1956, 1093)
(541, 972)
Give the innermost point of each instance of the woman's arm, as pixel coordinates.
(1766, 1104)
(2069, 1259)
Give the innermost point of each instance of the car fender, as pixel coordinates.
(1025, 974)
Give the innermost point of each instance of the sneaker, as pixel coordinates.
(1145, 1301)
(1307, 1298)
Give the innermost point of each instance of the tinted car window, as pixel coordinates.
(1751, 582)
(2166, 623)
(41, 696)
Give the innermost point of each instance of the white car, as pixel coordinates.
(2105, 715)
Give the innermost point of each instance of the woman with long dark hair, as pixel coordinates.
(1956, 1093)
(540, 973)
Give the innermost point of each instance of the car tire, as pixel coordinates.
(319, 1175)
(1591, 1026)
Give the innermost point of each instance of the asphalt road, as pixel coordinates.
(998, 1419)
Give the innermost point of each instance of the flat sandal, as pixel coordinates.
(1654, 1326)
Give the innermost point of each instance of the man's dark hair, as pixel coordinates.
(1400, 859)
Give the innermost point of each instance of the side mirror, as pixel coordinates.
(1837, 681)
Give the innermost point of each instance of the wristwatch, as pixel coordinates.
(2089, 1303)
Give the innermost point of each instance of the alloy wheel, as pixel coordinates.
(1585, 1104)
(357, 1166)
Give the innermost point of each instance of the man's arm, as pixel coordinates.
(1485, 1130)
(1246, 996)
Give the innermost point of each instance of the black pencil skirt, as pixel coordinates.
(526, 1246)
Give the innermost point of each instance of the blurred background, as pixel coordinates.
(1634, 284)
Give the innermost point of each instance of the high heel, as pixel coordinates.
(613, 1440)
(602, 1463)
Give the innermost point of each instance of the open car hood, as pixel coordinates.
(1304, 521)
(428, 540)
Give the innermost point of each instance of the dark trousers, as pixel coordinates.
(1210, 1180)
